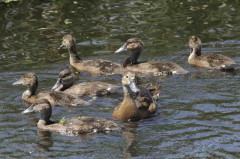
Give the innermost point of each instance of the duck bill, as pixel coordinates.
(18, 82)
(134, 87)
(61, 46)
(29, 110)
(121, 49)
(57, 84)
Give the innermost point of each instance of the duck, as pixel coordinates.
(209, 61)
(30, 80)
(65, 83)
(95, 67)
(155, 68)
(66, 80)
(137, 103)
(72, 126)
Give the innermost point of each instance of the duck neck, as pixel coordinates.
(41, 123)
(73, 54)
(31, 90)
(45, 116)
(128, 93)
(132, 59)
(195, 52)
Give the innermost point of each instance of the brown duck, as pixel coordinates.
(137, 103)
(95, 67)
(69, 126)
(210, 61)
(66, 80)
(30, 80)
(131, 63)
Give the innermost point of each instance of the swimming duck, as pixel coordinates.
(210, 61)
(30, 80)
(69, 126)
(131, 63)
(66, 80)
(96, 67)
(137, 103)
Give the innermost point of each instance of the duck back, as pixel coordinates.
(157, 68)
(93, 88)
(216, 60)
(81, 125)
(61, 98)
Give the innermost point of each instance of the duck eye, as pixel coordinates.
(126, 76)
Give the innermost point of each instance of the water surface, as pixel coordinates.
(198, 114)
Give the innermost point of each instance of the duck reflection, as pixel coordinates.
(129, 132)
(45, 141)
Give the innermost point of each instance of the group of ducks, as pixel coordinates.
(138, 102)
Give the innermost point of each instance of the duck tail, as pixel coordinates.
(228, 67)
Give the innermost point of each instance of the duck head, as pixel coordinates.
(129, 83)
(30, 80)
(69, 42)
(65, 80)
(134, 45)
(195, 45)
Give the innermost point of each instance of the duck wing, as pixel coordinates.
(62, 98)
(104, 66)
(217, 60)
(81, 125)
(144, 100)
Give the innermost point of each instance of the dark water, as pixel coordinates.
(198, 114)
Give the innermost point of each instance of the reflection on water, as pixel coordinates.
(198, 112)
(45, 141)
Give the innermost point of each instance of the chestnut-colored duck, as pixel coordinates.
(95, 67)
(69, 126)
(137, 103)
(66, 80)
(30, 80)
(209, 61)
(156, 68)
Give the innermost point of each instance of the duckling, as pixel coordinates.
(210, 61)
(131, 63)
(94, 88)
(30, 80)
(69, 126)
(137, 103)
(95, 67)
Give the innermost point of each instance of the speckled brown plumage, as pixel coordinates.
(152, 68)
(96, 67)
(154, 88)
(137, 103)
(30, 80)
(70, 126)
(210, 61)
(91, 88)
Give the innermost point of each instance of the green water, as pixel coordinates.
(198, 115)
